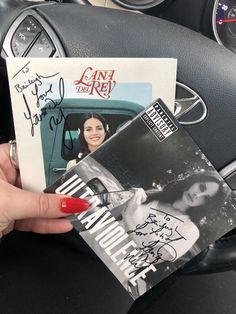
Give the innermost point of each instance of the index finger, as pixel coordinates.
(19, 204)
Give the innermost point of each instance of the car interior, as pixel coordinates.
(202, 36)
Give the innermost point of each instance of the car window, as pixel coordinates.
(70, 138)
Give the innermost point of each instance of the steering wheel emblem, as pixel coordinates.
(190, 108)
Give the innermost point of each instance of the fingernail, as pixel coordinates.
(71, 205)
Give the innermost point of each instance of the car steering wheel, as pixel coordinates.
(203, 65)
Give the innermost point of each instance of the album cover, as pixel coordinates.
(155, 200)
(53, 99)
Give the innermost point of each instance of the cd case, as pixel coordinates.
(50, 97)
(155, 200)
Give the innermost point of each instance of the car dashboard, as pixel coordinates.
(214, 19)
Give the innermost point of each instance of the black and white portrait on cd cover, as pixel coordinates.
(156, 200)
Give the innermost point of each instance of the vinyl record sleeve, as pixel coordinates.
(155, 200)
(51, 95)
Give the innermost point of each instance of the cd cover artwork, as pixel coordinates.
(155, 200)
(52, 98)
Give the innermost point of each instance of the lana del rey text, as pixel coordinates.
(96, 82)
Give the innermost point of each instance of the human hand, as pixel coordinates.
(28, 211)
(8, 172)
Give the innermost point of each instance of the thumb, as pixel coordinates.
(18, 204)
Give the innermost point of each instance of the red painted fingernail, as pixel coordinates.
(71, 205)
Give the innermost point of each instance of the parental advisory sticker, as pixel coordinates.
(159, 122)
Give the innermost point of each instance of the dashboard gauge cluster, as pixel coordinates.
(138, 4)
(224, 23)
